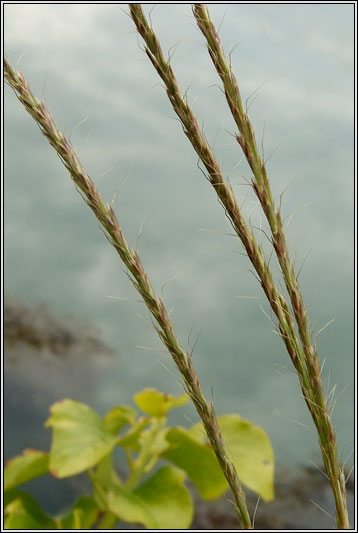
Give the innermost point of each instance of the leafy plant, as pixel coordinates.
(153, 493)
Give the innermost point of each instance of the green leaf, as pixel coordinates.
(130, 508)
(156, 403)
(104, 478)
(80, 438)
(106, 474)
(199, 462)
(23, 512)
(83, 514)
(30, 465)
(197, 432)
(162, 502)
(120, 416)
(252, 454)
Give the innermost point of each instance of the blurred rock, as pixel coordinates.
(40, 328)
(46, 359)
(292, 508)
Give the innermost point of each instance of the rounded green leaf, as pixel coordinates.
(106, 474)
(199, 462)
(83, 514)
(80, 438)
(30, 465)
(156, 403)
(252, 454)
(23, 512)
(249, 448)
(162, 502)
(119, 416)
(130, 508)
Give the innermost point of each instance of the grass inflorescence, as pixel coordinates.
(163, 325)
(299, 345)
(290, 310)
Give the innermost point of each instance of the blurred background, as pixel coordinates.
(294, 64)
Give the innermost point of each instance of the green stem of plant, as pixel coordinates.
(108, 521)
(139, 465)
(100, 493)
(112, 230)
(262, 188)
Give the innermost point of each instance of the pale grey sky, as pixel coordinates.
(86, 62)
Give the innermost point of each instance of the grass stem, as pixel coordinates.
(261, 185)
(163, 325)
(299, 346)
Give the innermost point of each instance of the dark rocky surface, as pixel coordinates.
(46, 358)
(292, 508)
(40, 328)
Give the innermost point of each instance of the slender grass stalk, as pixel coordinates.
(262, 188)
(111, 228)
(223, 190)
(304, 358)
